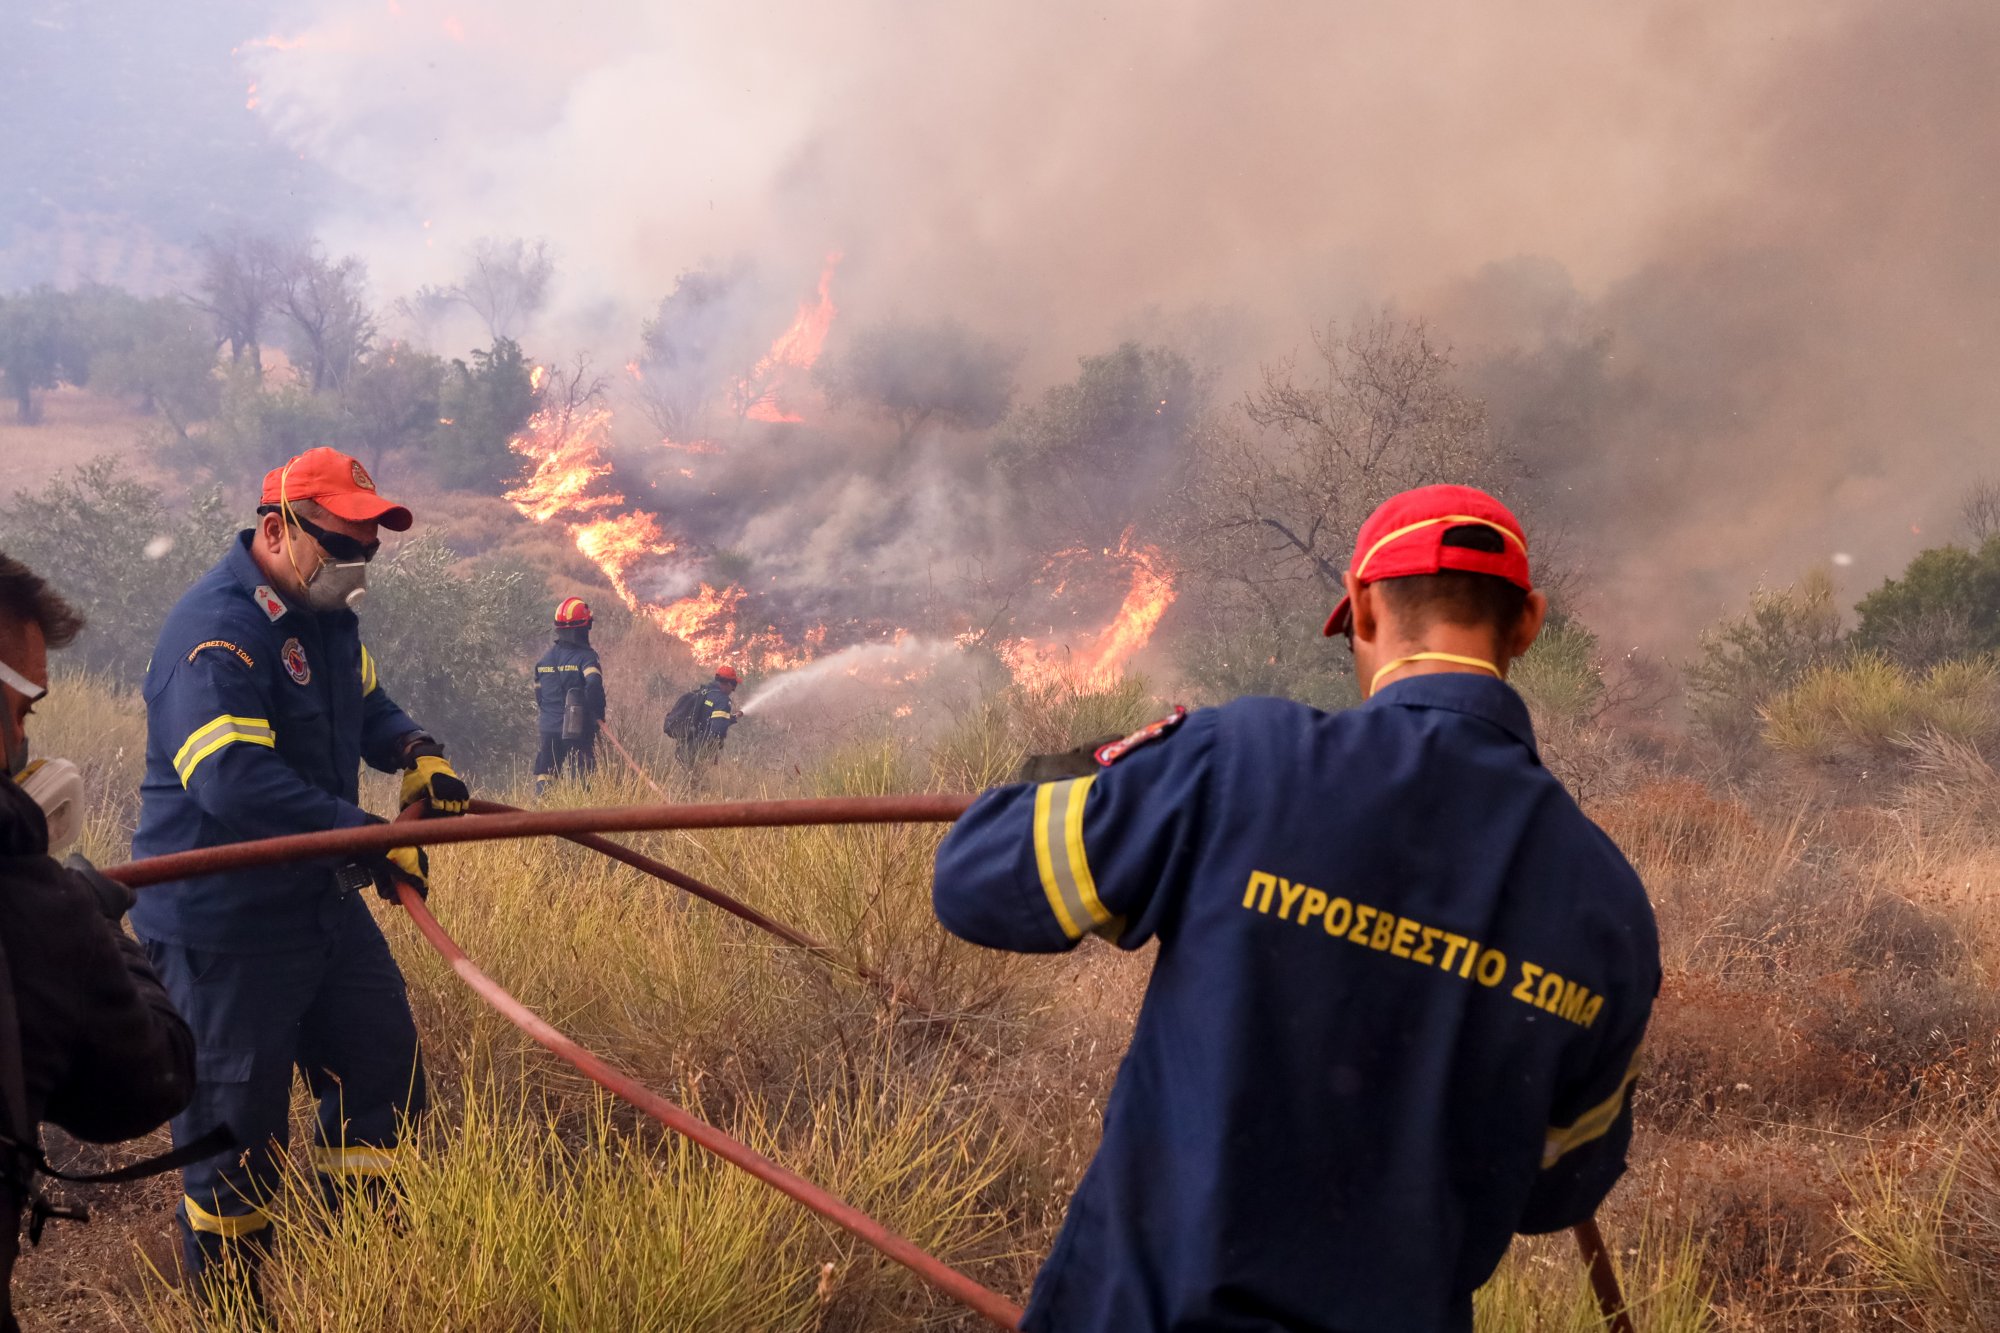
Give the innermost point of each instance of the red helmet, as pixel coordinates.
(574, 611)
(728, 673)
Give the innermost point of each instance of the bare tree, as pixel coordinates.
(1980, 510)
(507, 282)
(324, 301)
(241, 279)
(916, 374)
(1375, 410)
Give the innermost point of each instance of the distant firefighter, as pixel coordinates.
(569, 698)
(702, 717)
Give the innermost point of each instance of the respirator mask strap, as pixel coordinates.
(21, 685)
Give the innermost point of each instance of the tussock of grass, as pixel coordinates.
(507, 1220)
(1868, 703)
(1543, 1287)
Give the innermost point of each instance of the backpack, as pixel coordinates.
(680, 718)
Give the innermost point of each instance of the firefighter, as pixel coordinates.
(702, 717)
(569, 698)
(1401, 981)
(90, 1040)
(261, 705)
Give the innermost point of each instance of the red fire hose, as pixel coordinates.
(491, 820)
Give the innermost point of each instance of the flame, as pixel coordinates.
(796, 349)
(617, 543)
(1100, 659)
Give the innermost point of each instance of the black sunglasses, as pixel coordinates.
(335, 544)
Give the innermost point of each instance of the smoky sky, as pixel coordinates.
(1725, 273)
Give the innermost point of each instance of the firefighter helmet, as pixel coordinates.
(728, 673)
(573, 611)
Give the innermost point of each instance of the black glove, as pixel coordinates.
(113, 898)
(1078, 763)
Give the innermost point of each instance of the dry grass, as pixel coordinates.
(1817, 1147)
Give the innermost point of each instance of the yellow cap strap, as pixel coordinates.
(1361, 566)
(1453, 658)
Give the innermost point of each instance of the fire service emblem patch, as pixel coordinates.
(268, 603)
(1107, 755)
(296, 666)
(362, 479)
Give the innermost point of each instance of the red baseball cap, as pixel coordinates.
(338, 483)
(1405, 537)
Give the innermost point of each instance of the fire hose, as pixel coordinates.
(490, 821)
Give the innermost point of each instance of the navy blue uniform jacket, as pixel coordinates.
(258, 716)
(565, 667)
(1401, 985)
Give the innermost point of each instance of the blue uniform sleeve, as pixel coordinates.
(593, 687)
(1584, 1153)
(1033, 868)
(384, 726)
(215, 714)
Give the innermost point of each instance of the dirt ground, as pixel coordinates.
(75, 427)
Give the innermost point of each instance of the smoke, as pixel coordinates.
(1725, 273)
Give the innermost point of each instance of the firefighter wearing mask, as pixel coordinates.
(261, 705)
(569, 698)
(1401, 983)
(89, 1039)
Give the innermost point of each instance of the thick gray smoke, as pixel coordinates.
(1725, 272)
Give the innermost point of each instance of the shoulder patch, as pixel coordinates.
(268, 602)
(1107, 755)
(224, 644)
(296, 666)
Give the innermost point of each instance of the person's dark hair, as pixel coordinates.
(26, 599)
(1454, 596)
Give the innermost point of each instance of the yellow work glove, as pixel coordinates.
(431, 777)
(407, 863)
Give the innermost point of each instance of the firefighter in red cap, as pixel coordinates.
(1401, 983)
(261, 705)
(569, 698)
(700, 719)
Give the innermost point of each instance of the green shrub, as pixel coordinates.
(1559, 676)
(113, 547)
(452, 644)
(1747, 661)
(1946, 604)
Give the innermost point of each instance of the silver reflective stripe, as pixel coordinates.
(1054, 829)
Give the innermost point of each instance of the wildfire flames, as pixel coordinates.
(1096, 663)
(572, 481)
(796, 350)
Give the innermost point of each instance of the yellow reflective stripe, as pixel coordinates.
(1059, 856)
(357, 1160)
(1454, 520)
(370, 682)
(1079, 864)
(593, 671)
(1592, 1124)
(212, 736)
(1045, 860)
(217, 1224)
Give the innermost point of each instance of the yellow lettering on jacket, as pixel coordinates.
(1409, 939)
